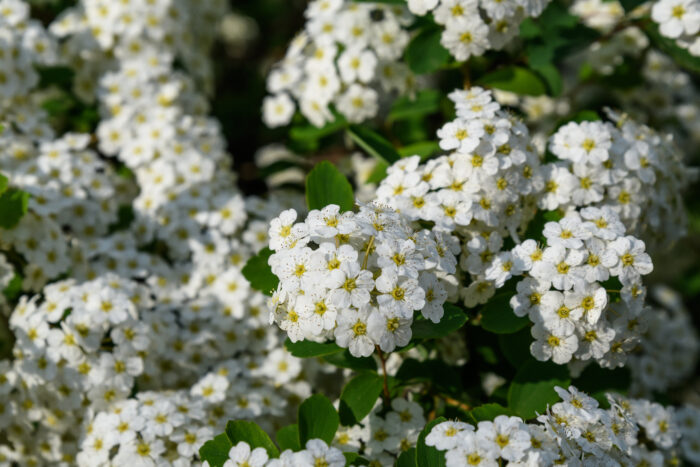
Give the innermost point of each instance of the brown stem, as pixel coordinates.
(387, 397)
(454, 402)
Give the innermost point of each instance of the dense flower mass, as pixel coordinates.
(358, 277)
(420, 299)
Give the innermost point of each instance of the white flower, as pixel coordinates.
(552, 345)
(350, 286)
(631, 261)
(352, 331)
(388, 329)
(400, 295)
(444, 436)
(317, 452)
(278, 110)
(504, 437)
(241, 455)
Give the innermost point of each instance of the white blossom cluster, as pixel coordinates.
(357, 277)
(679, 20)
(346, 57)
(473, 27)
(628, 167)
(667, 353)
(575, 431)
(564, 294)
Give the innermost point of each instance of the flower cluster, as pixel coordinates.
(347, 56)
(357, 277)
(473, 27)
(628, 167)
(575, 430)
(564, 293)
(679, 20)
(487, 183)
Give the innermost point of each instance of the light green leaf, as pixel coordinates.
(514, 79)
(359, 396)
(532, 389)
(373, 144)
(288, 438)
(259, 273)
(251, 433)
(317, 419)
(326, 185)
(488, 412)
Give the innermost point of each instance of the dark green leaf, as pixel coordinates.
(346, 360)
(359, 396)
(13, 289)
(630, 5)
(317, 419)
(488, 412)
(288, 438)
(514, 79)
(353, 458)
(310, 132)
(259, 273)
(551, 77)
(453, 319)
(532, 389)
(426, 455)
(444, 377)
(516, 346)
(424, 149)
(407, 458)
(306, 349)
(251, 433)
(426, 102)
(3, 183)
(13, 205)
(497, 316)
(326, 185)
(215, 451)
(424, 53)
(373, 144)
(529, 29)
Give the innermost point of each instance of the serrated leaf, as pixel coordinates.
(317, 419)
(326, 185)
(488, 412)
(425, 53)
(258, 272)
(514, 79)
(288, 438)
(13, 205)
(373, 144)
(497, 316)
(307, 349)
(453, 319)
(358, 397)
(532, 389)
(215, 451)
(429, 456)
(251, 433)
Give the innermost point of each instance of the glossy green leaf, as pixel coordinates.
(532, 389)
(259, 273)
(373, 144)
(288, 438)
(488, 412)
(429, 456)
(317, 419)
(326, 185)
(359, 396)
(453, 319)
(251, 433)
(215, 451)
(424, 53)
(407, 458)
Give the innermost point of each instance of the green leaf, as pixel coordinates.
(681, 56)
(353, 458)
(288, 438)
(407, 458)
(306, 349)
(424, 53)
(251, 433)
(426, 102)
(424, 149)
(13, 289)
(516, 346)
(428, 456)
(215, 451)
(259, 273)
(326, 185)
(346, 360)
(373, 144)
(488, 412)
(317, 419)
(306, 133)
(13, 205)
(630, 5)
(497, 316)
(358, 397)
(532, 389)
(442, 376)
(551, 77)
(514, 79)
(4, 183)
(378, 173)
(453, 319)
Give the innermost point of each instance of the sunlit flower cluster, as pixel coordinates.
(357, 277)
(679, 20)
